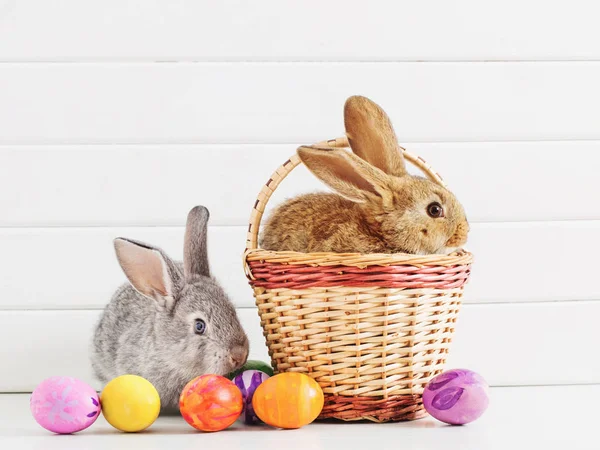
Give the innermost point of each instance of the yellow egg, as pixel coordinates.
(130, 403)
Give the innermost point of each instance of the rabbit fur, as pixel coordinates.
(377, 206)
(151, 326)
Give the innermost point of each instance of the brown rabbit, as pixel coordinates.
(379, 207)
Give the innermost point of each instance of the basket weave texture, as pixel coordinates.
(371, 329)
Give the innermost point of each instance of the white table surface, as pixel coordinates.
(529, 418)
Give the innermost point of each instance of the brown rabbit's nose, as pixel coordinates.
(460, 235)
(238, 356)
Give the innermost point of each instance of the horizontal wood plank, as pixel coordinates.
(302, 102)
(140, 185)
(168, 30)
(524, 344)
(507, 344)
(76, 268)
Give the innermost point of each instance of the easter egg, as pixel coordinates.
(252, 364)
(210, 403)
(288, 400)
(64, 405)
(456, 397)
(130, 403)
(247, 382)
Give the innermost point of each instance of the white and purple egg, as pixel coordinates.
(247, 382)
(64, 405)
(456, 397)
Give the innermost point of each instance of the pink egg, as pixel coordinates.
(64, 405)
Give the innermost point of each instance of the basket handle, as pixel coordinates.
(283, 171)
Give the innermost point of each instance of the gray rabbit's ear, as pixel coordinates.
(195, 254)
(149, 270)
(371, 135)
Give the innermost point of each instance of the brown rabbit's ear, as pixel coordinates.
(372, 136)
(347, 174)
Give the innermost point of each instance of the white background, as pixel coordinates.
(118, 116)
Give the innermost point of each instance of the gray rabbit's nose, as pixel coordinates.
(238, 356)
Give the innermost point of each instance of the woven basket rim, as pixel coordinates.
(325, 259)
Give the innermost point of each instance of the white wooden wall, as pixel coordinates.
(117, 116)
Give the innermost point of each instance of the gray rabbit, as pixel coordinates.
(173, 322)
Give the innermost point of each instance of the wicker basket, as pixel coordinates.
(371, 329)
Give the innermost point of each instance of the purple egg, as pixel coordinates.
(247, 382)
(456, 397)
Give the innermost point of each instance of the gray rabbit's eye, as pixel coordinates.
(435, 210)
(200, 326)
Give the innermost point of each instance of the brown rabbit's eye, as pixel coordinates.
(435, 210)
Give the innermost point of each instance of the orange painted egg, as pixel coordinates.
(210, 403)
(288, 400)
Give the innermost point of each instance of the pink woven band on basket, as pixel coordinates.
(292, 276)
